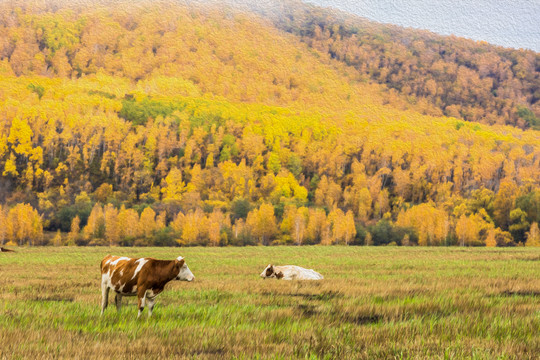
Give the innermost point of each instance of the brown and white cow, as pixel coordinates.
(143, 277)
(3, 249)
(290, 272)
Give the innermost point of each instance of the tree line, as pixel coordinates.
(106, 225)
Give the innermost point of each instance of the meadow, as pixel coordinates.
(375, 302)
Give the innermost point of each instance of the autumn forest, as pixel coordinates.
(130, 125)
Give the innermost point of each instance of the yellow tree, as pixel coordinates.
(214, 230)
(288, 219)
(472, 230)
(194, 228)
(177, 223)
(103, 192)
(466, 230)
(364, 205)
(343, 228)
(504, 202)
(161, 221)
(10, 167)
(353, 195)
(147, 222)
(262, 223)
(299, 225)
(172, 186)
(20, 137)
(74, 231)
(316, 225)
(95, 226)
(382, 204)
(533, 236)
(112, 231)
(497, 237)
(217, 221)
(122, 220)
(57, 240)
(239, 228)
(294, 223)
(36, 232)
(328, 193)
(197, 182)
(15, 231)
(23, 224)
(349, 231)
(368, 241)
(491, 240)
(335, 220)
(287, 186)
(430, 223)
(128, 223)
(60, 63)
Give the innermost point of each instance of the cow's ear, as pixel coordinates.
(180, 263)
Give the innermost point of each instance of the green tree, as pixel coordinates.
(518, 225)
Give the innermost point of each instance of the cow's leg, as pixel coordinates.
(151, 303)
(141, 297)
(104, 296)
(118, 301)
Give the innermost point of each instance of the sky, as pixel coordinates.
(510, 23)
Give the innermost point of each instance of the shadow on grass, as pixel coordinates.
(325, 296)
(507, 293)
(308, 311)
(52, 298)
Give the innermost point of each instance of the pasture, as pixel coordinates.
(375, 302)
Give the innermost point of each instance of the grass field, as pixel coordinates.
(374, 303)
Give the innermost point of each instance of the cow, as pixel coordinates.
(290, 272)
(143, 277)
(3, 249)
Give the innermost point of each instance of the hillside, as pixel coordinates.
(192, 126)
(463, 78)
(228, 54)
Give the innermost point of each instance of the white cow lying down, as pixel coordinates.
(290, 272)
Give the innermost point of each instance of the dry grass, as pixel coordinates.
(374, 303)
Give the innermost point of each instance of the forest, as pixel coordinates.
(198, 126)
(459, 77)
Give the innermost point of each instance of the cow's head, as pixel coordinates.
(270, 272)
(183, 271)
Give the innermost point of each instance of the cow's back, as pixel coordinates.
(293, 272)
(311, 274)
(122, 273)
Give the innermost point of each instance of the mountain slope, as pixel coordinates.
(463, 78)
(227, 54)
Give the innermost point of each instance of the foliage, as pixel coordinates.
(384, 233)
(533, 236)
(456, 76)
(530, 118)
(183, 128)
